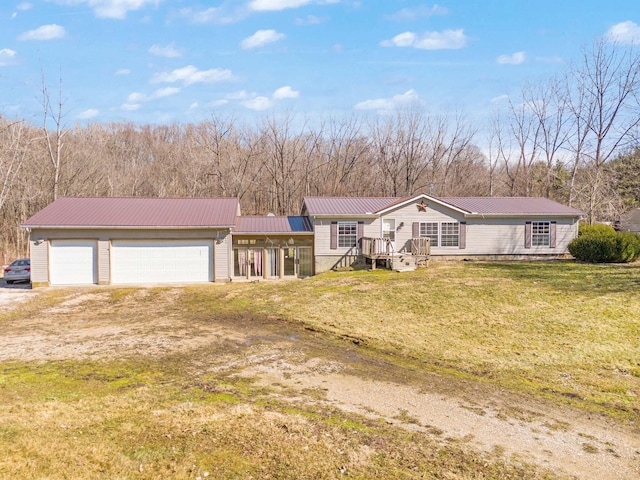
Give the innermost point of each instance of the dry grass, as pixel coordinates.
(561, 330)
(157, 419)
(565, 331)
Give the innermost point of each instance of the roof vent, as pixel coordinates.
(271, 214)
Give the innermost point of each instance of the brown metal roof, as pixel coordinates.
(273, 225)
(137, 212)
(346, 205)
(521, 206)
(510, 206)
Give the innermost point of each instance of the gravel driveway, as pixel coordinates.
(567, 441)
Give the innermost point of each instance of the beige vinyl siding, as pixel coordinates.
(322, 234)
(104, 270)
(505, 236)
(39, 261)
(222, 255)
(405, 216)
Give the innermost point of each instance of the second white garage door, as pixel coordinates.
(161, 261)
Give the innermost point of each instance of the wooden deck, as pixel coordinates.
(382, 249)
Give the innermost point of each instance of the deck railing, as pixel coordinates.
(376, 247)
(383, 247)
(420, 246)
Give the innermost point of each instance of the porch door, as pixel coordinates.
(305, 262)
(298, 262)
(389, 231)
(289, 267)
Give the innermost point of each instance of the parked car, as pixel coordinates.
(18, 271)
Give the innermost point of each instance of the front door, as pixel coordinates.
(389, 231)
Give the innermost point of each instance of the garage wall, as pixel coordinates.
(39, 262)
(223, 257)
(39, 242)
(104, 276)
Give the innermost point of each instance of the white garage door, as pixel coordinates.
(73, 262)
(161, 261)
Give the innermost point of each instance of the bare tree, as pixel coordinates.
(54, 140)
(606, 107)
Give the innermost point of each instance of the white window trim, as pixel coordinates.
(341, 236)
(437, 234)
(545, 236)
(440, 234)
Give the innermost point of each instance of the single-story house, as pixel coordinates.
(170, 240)
(474, 227)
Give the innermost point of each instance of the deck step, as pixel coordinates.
(404, 264)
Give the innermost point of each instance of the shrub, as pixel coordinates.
(602, 244)
(597, 229)
(628, 247)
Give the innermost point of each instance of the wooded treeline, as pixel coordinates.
(572, 138)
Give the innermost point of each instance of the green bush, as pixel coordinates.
(597, 229)
(602, 244)
(628, 244)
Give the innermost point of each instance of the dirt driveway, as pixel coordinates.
(287, 356)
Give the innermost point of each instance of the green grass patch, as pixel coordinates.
(146, 420)
(560, 330)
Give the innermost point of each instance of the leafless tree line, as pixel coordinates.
(553, 140)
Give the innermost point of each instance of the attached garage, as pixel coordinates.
(132, 240)
(161, 261)
(73, 262)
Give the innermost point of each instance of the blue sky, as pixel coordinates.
(162, 61)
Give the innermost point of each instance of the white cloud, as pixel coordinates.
(259, 103)
(445, 40)
(261, 38)
(123, 71)
(193, 106)
(87, 114)
(129, 107)
(45, 32)
(387, 105)
(422, 11)
(136, 97)
(166, 92)
(256, 102)
(285, 92)
(170, 51)
(7, 57)
(240, 95)
(24, 6)
(310, 20)
(117, 9)
(513, 59)
(270, 5)
(499, 98)
(190, 75)
(624, 33)
(215, 15)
